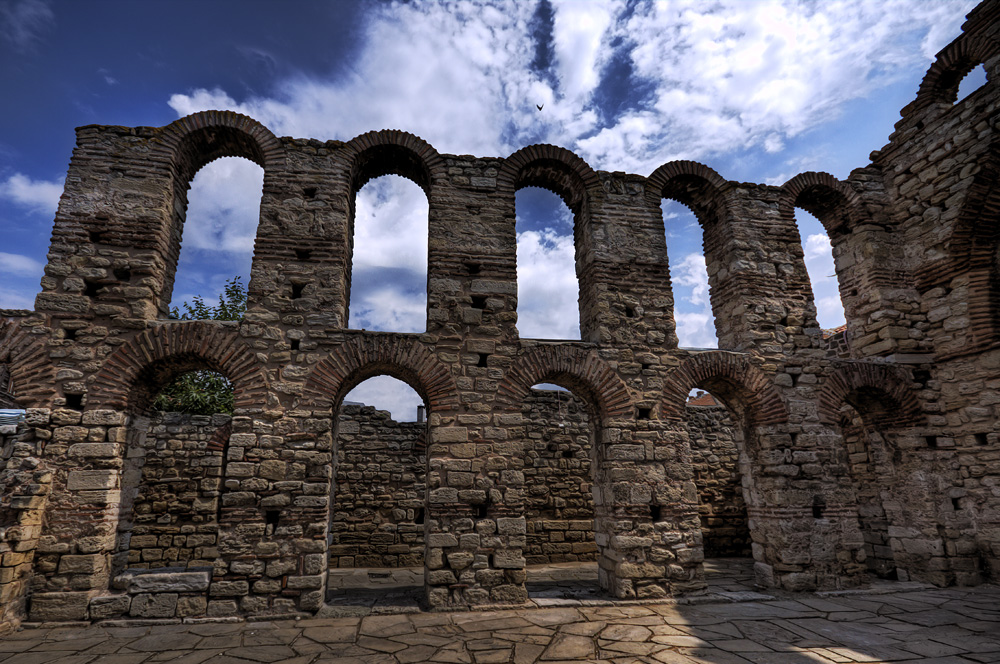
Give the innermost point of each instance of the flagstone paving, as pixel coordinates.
(890, 623)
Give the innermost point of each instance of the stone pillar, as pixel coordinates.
(24, 491)
(476, 529)
(646, 514)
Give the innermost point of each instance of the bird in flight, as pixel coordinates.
(539, 106)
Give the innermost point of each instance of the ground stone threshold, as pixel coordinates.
(733, 623)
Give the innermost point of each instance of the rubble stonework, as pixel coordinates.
(914, 236)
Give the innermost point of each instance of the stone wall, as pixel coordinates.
(378, 496)
(172, 482)
(24, 489)
(914, 236)
(715, 457)
(558, 478)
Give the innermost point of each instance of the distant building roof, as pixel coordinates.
(700, 398)
(832, 332)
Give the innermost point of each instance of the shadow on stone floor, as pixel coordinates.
(897, 623)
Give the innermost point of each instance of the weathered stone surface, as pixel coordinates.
(864, 452)
(169, 582)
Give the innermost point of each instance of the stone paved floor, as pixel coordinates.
(732, 624)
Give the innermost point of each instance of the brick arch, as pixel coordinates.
(134, 373)
(953, 63)
(875, 390)
(393, 152)
(197, 139)
(690, 183)
(745, 389)
(31, 371)
(580, 370)
(833, 202)
(363, 357)
(549, 167)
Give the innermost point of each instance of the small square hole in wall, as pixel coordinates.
(309, 192)
(473, 268)
(297, 290)
(418, 516)
(567, 454)
(69, 335)
(483, 357)
(629, 312)
(303, 254)
(90, 288)
(74, 401)
(644, 413)
(478, 301)
(655, 512)
(954, 504)
(932, 441)
(481, 511)
(981, 438)
(818, 507)
(95, 237)
(294, 344)
(123, 275)
(272, 517)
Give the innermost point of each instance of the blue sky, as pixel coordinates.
(759, 91)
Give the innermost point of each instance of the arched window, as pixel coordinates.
(972, 81)
(388, 285)
(548, 290)
(819, 260)
(223, 210)
(693, 317)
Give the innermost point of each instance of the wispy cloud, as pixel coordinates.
(41, 196)
(21, 266)
(24, 22)
(692, 307)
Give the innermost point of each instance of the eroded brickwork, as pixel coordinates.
(915, 235)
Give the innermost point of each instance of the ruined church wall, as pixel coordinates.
(921, 340)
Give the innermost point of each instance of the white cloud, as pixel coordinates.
(41, 196)
(389, 265)
(13, 300)
(23, 22)
(547, 288)
(224, 206)
(579, 37)
(692, 306)
(21, 266)
(387, 393)
(820, 267)
(721, 76)
(734, 74)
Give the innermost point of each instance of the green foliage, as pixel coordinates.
(197, 393)
(204, 392)
(232, 305)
